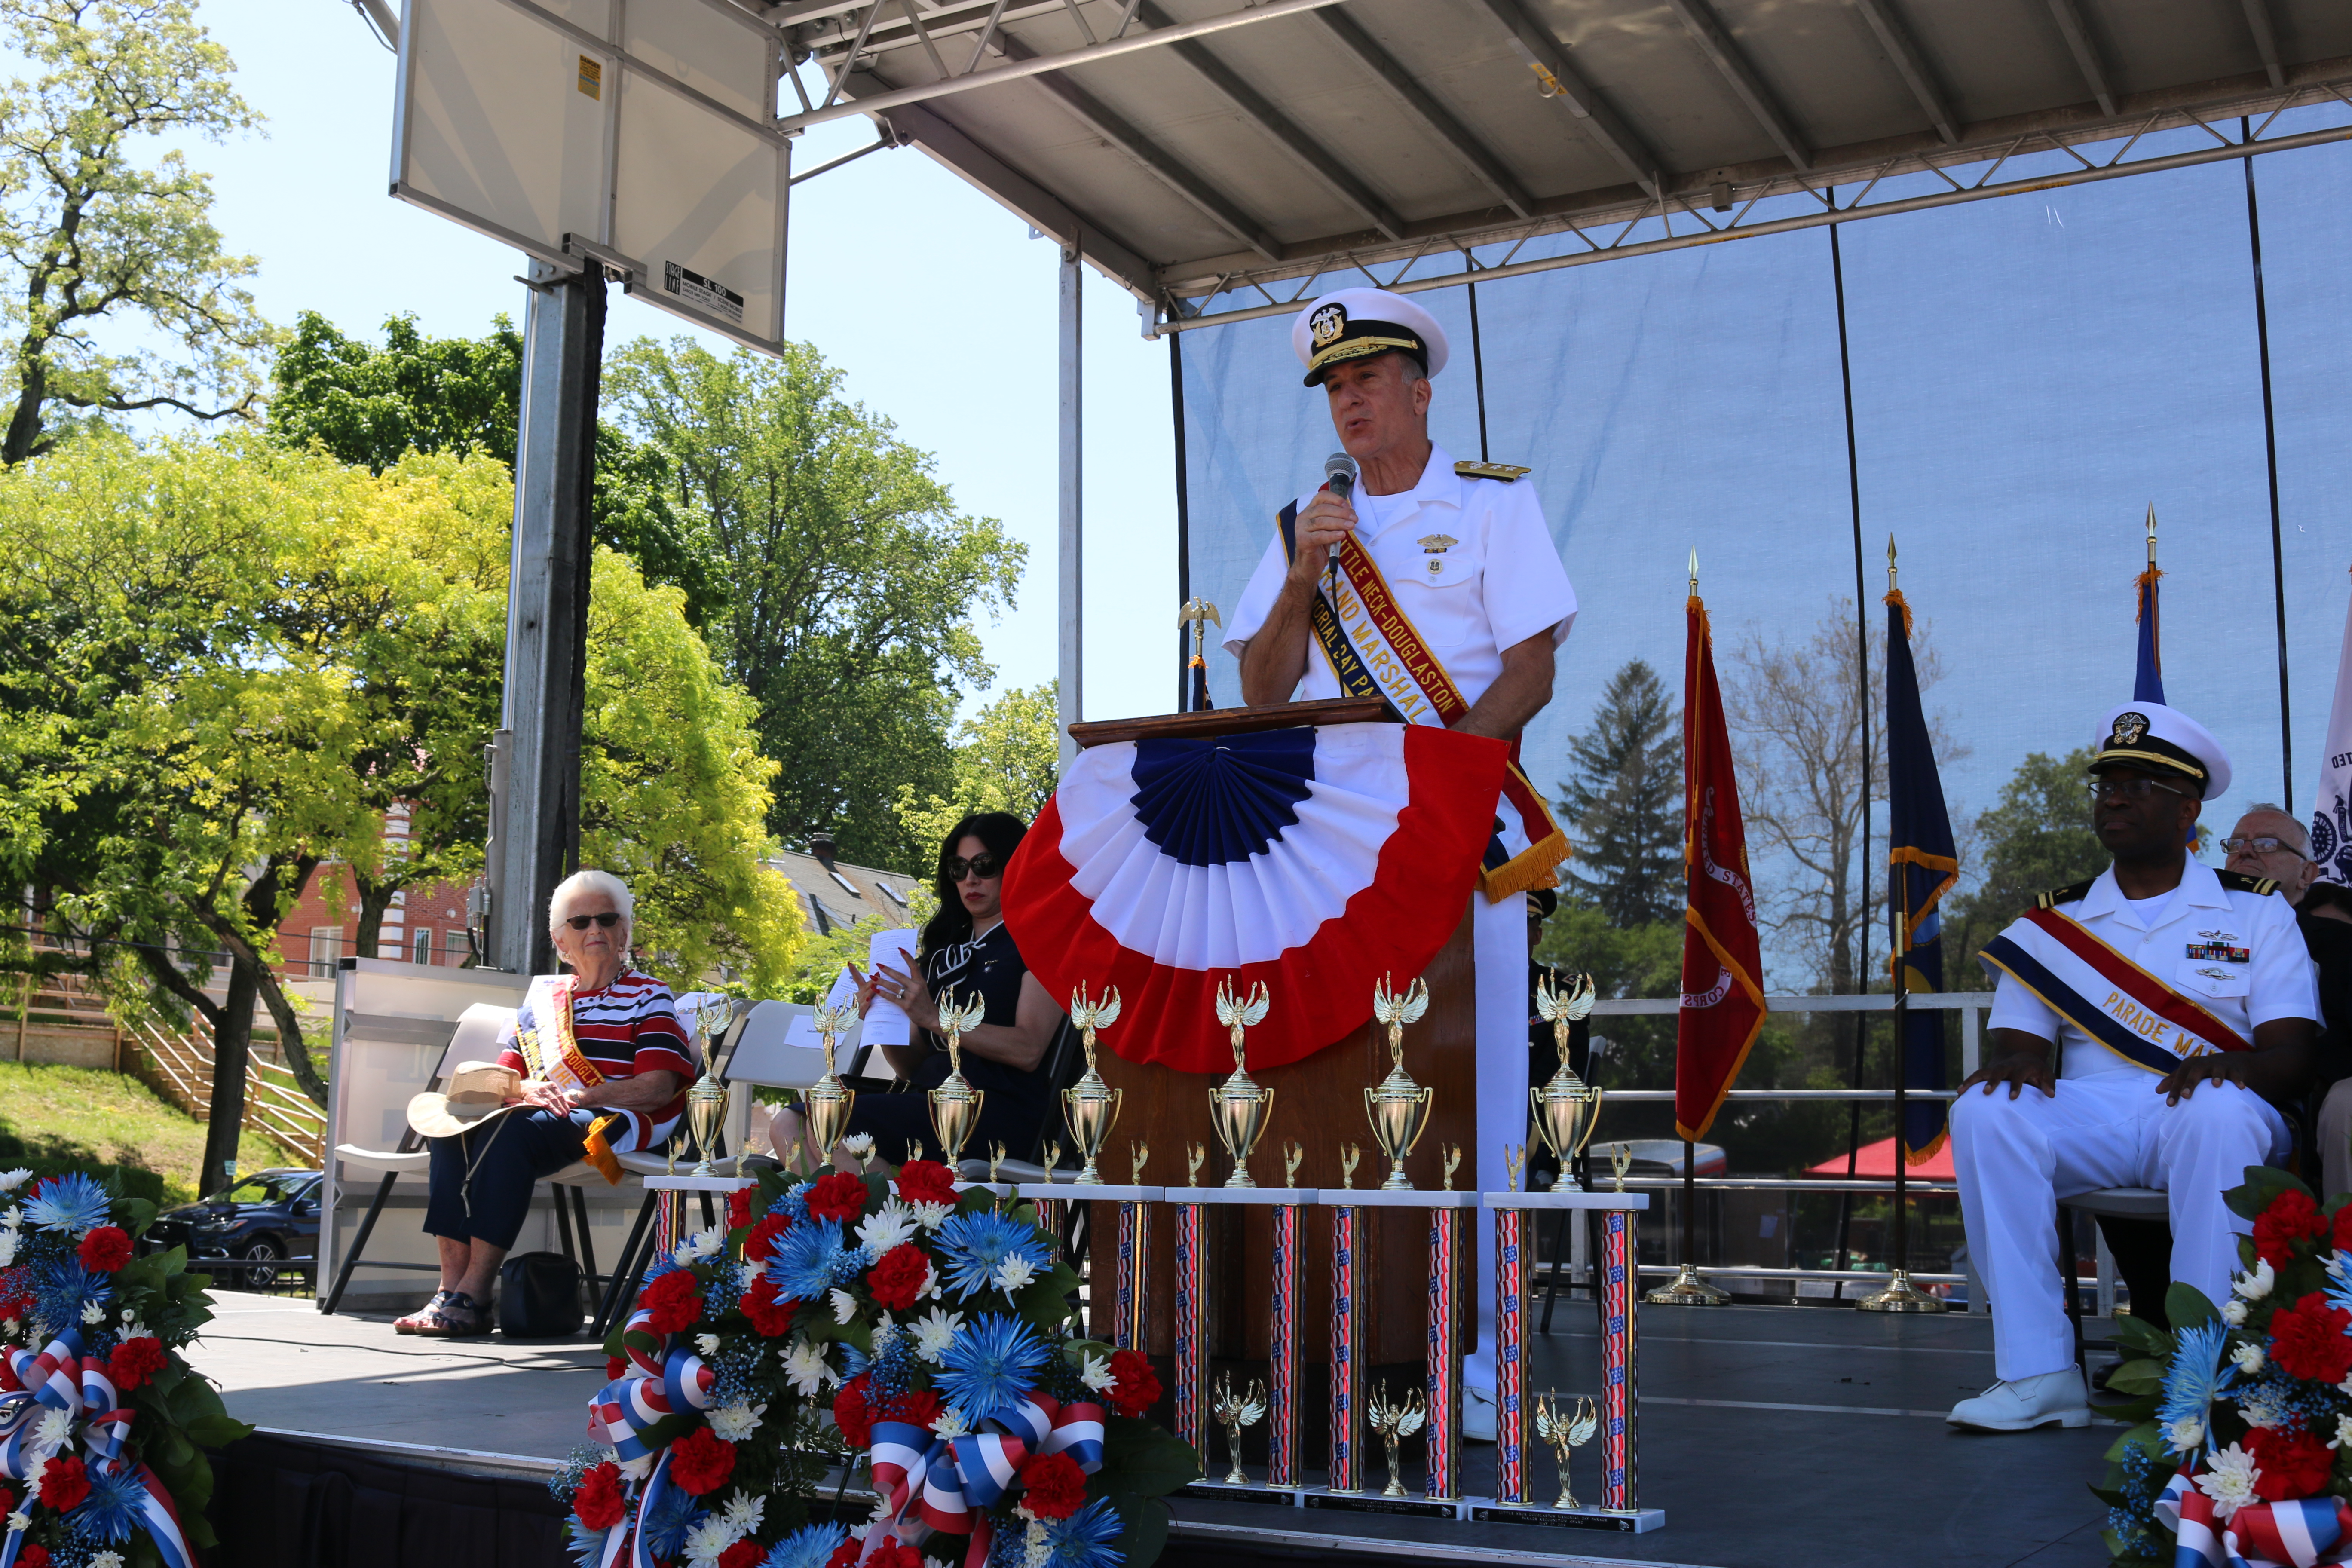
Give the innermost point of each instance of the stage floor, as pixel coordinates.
(1770, 1434)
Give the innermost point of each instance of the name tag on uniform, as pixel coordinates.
(2218, 953)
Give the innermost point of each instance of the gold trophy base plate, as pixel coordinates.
(1900, 1296)
(1687, 1290)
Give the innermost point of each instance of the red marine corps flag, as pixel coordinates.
(1723, 993)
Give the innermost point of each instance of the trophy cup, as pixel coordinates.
(706, 1103)
(1395, 1419)
(1233, 1412)
(827, 1102)
(1238, 1108)
(1091, 1106)
(1398, 1108)
(1565, 1428)
(955, 1104)
(1567, 1108)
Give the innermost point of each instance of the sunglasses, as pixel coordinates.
(984, 867)
(608, 919)
(2128, 789)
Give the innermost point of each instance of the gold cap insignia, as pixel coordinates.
(1434, 542)
(2129, 727)
(1327, 323)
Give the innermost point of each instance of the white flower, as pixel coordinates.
(743, 1513)
(883, 1512)
(706, 1343)
(2261, 1409)
(886, 1332)
(935, 1333)
(2185, 1434)
(930, 1216)
(805, 1369)
(734, 1423)
(107, 1560)
(2229, 1480)
(93, 1313)
(2233, 1312)
(701, 1244)
(891, 1226)
(844, 1306)
(54, 1433)
(2343, 1430)
(859, 1143)
(1013, 1273)
(32, 1472)
(752, 1272)
(952, 1422)
(18, 1520)
(638, 1469)
(2249, 1358)
(1096, 1374)
(8, 1247)
(706, 1541)
(11, 1180)
(2254, 1287)
(1037, 1550)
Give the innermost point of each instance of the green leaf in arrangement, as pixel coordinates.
(2186, 1307)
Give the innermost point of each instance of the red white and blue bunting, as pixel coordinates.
(61, 1377)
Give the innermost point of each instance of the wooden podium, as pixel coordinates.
(1319, 1102)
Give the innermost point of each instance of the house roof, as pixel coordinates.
(845, 894)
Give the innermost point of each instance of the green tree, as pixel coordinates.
(1007, 758)
(369, 405)
(852, 581)
(94, 239)
(1624, 802)
(2038, 837)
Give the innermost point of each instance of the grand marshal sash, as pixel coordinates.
(1374, 650)
(552, 1052)
(2107, 996)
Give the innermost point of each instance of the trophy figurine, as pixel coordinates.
(1294, 1154)
(1395, 1419)
(1233, 1412)
(1349, 1154)
(1195, 1156)
(827, 1102)
(1091, 1106)
(1567, 1108)
(1620, 1161)
(1515, 1160)
(1398, 1108)
(955, 1104)
(1565, 1428)
(1238, 1108)
(706, 1103)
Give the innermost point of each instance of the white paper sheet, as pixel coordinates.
(885, 1022)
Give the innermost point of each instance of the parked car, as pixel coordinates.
(267, 1221)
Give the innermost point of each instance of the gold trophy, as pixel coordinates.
(1398, 1108)
(1567, 1108)
(1090, 1105)
(955, 1104)
(826, 1103)
(1233, 1412)
(1395, 1419)
(1566, 1427)
(706, 1103)
(1238, 1108)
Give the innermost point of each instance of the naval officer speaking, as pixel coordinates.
(1434, 585)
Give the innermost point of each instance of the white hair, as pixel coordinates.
(587, 881)
(2300, 841)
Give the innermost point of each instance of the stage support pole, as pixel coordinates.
(1070, 665)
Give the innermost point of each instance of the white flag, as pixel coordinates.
(2331, 808)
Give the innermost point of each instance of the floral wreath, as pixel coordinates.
(882, 1315)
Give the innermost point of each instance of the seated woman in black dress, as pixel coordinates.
(964, 950)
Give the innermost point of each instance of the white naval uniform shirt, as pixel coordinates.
(2277, 981)
(1499, 582)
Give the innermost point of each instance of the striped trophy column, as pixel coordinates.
(1281, 1352)
(1618, 1488)
(1049, 1220)
(1511, 1356)
(1348, 1291)
(1192, 1327)
(1441, 1439)
(1131, 1322)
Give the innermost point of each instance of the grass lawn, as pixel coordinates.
(104, 1117)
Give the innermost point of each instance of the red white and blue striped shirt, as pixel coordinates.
(628, 1027)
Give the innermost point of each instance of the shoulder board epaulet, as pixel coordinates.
(1505, 472)
(2238, 882)
(2072, 893)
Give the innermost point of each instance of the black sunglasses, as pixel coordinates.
(608, 919)
(984, 867)
(2128, 789)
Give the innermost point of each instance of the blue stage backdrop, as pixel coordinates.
(2029, 374)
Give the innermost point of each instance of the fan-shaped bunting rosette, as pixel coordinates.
(1316, 861)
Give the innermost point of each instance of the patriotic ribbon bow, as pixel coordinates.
(2305, 1534)
(663, 1381)
(960, 1476)
(61, 1377)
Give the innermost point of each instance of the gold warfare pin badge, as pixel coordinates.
(1327, 324)
(2129, 727)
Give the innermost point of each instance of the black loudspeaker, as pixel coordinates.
(539, 1295)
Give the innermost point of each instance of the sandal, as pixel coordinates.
(442, 1323)
(414, 1322)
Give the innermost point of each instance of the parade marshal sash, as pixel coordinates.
(1374, 650)
(563, 1063)
(2107, 996)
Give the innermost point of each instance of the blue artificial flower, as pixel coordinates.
(586, 1545)
(111, 1511)
(1083, 1540)
(665, 1525)
(2199, 1375)
(808, 1547)
(71, 1201)
(976, 1246)
(989, 1364)
(811, 1259)
(61, 1288)
(793, 1204)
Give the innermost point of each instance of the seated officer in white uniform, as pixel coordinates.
(2181, 1002)
(1462, 552)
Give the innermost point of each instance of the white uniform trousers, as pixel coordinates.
(2016, 1158)
(1499, 932)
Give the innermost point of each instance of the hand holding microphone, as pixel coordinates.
(1328, 519)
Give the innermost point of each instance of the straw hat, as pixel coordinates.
(477, 1092)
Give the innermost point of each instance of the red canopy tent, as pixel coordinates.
(1878, 1159)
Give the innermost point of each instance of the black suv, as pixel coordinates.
(258, 1225)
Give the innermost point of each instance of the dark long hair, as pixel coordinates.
(1002, 832)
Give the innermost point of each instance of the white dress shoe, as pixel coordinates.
(1477, 1415)
(2026, 1404)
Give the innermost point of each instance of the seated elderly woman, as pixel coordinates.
(601, 1068)
(965, 950)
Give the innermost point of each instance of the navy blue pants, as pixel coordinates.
(481, 1179)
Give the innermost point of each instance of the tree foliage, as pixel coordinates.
(1007, 758)
(2037, 838)
(94, 239)
(1624, 802)
(851, 581)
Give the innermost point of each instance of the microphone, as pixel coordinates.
(1340, 471)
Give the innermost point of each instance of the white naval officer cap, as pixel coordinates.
(1357, 323)
(2157, 739)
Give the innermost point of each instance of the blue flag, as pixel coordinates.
(1922, 867)
(2147, 681)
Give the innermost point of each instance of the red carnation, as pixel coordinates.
(106, 1249)
(761, 1242)
(899, 1278)
(2307, 1341)
(845, 1554)
(2292, 1464)
(136, 1360)
(613, 1367)
(34, 1555)
(839, 1195)
(2290, 1218)
(925, 1181)
(853, 1414)
(64, 1483)
(895, 1554)
(1058, 1487)
(702, 1461)
(769, 1316)
(599, 1502)
(917, 1407)
(1137, 1389)
(743, 1554)
(674, 1300)
(2341, 1238)
(738, 1208)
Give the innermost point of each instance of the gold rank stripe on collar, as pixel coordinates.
(1507, 472)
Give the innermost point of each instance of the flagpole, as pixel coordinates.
(1899, 1294)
